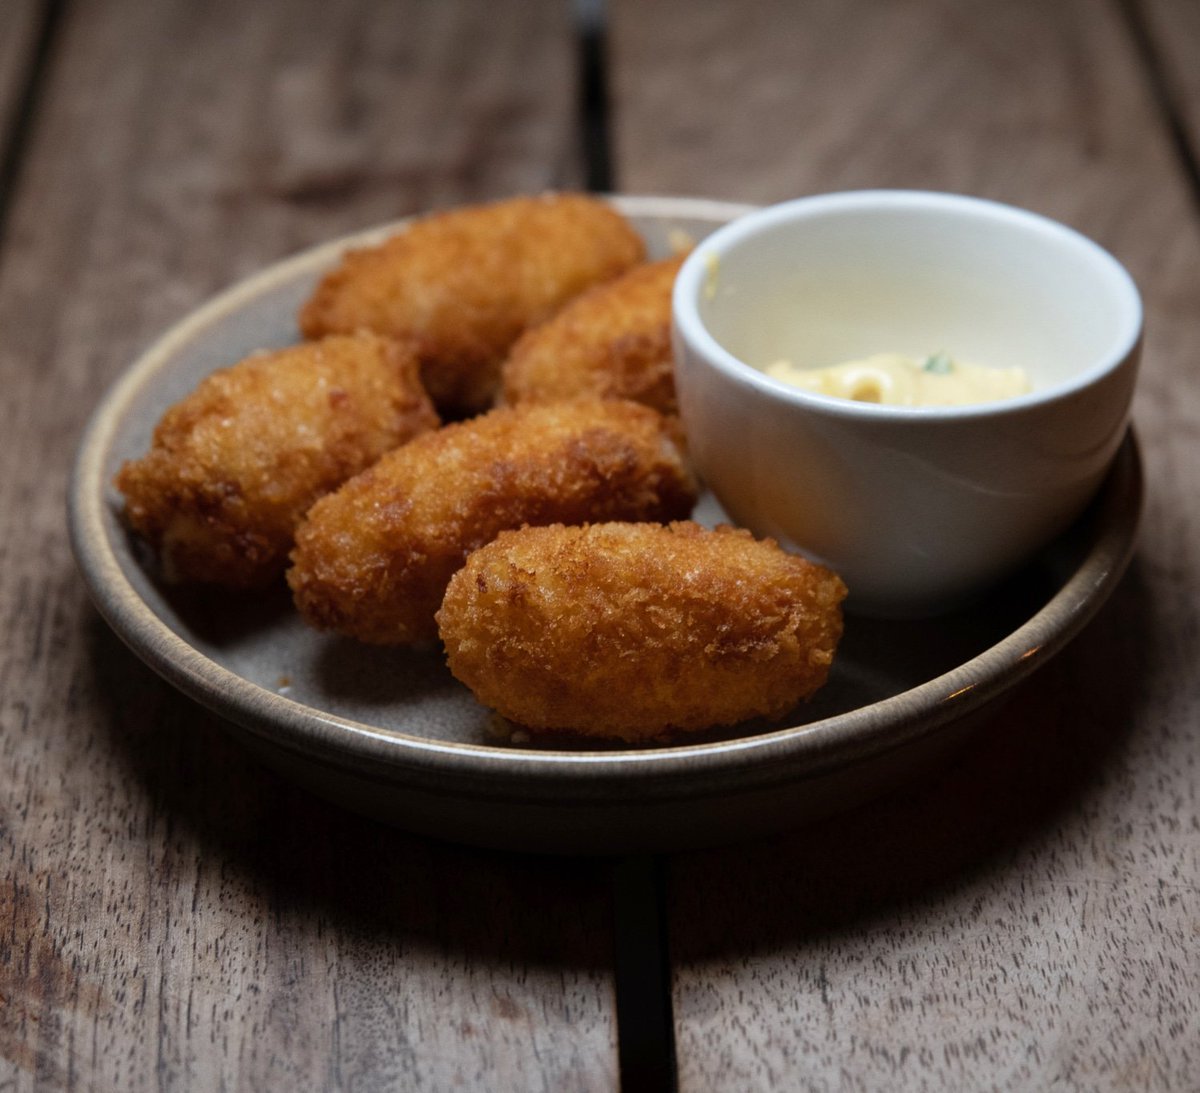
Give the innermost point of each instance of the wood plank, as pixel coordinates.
(1023, 920)
(172, 916)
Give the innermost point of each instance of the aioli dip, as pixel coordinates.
(900, 380)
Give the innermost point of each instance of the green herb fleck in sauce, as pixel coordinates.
(939, 364)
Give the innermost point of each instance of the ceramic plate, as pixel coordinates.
(390, 733)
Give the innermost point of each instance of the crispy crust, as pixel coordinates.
(464, 284)
(631, 631)
(235, 465)
(372, 560)
(613, 341)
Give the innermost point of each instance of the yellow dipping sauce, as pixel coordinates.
(900, 380)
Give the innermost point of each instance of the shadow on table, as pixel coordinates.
(235, 825)
(1039, 768)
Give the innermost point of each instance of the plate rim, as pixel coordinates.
(500, 772)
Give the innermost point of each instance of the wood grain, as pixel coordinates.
(1025, 919)
(171, 915)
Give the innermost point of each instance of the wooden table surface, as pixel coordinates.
(173, 916)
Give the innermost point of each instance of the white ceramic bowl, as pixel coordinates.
(918, 509)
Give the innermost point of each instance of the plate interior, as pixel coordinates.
(262, 640)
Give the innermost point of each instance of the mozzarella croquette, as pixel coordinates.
(634, 631)
(372, 560)
(464, 284)
(235, 465)
(613, 341)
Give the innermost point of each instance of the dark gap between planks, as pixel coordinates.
(29, 97)
(645, 1020)
(1165, 96)
(594, 129)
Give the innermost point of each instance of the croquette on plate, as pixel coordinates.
(235, 465)
(464, 284)
(614, 341)
(632, 631)
(372, 560)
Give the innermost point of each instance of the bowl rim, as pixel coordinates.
(691, 329)
(503, 773)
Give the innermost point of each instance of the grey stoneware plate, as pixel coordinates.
(390, 733)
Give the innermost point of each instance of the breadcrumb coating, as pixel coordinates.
(464, 284)
(613, 341)
(372, 561)
(234, 466)
(633, 631)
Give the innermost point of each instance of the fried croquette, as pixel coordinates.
(235, 465)
(635, 631)
(372, 560)
(613, 341)
(464, 284)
